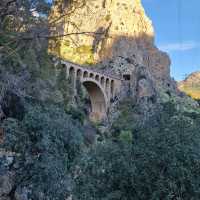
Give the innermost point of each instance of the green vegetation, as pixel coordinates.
(46, 141)
(122, 123)
(156, 160)
(37, 125)
(53, 153)
(161, 162)
(126, 136)
(86, 51)
(82, 54)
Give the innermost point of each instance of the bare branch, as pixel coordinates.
(64, 35)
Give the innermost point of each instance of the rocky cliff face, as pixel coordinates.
(112, 34)
(191, 85)
(105, 24)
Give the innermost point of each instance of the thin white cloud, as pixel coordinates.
(185, 46)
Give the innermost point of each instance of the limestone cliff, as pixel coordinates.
(104, 23)
(191, 85)
(113, 33)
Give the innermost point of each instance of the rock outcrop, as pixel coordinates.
(191, 85)
(114, 35)
(103, 25)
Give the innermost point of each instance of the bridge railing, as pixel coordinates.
(100, 72)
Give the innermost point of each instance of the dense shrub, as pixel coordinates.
(163, 162)
(127, 120)
(46, 141)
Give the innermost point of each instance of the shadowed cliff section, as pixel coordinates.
(95, 25)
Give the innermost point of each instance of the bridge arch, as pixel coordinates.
(102, 81)
(102, 88)
(71, 71)
(91, 75)
(107, 86)
(98, 99)
(97, 77)
(112, 88)
(79, 74)
(85, 74)
(72, 75)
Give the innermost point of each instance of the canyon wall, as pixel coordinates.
(113, 35)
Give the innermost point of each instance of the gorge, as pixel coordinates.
(88, 110)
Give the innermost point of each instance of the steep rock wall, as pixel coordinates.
(111, 34)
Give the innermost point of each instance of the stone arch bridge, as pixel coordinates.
(102, 88)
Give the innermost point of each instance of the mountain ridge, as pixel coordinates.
(191, 85)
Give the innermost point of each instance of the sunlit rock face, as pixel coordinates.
(99, 31)
(107, 23)
(191, 85)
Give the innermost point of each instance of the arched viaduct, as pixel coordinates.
(102, 88)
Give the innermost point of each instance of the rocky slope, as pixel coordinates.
(191, 85)
(114, 34)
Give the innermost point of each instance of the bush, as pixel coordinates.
(126, 121)
(162, 163)
(47, 142)
(126, 136)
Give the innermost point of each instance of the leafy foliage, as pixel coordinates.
(161, 163)
(46, 141)
(127, 120)
(160, 160)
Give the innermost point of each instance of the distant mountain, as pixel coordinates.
(191, 85)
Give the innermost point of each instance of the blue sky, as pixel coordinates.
(177, 29)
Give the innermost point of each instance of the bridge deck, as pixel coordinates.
(98, 71)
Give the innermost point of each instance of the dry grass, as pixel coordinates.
(194, 92)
